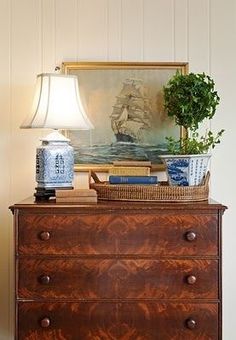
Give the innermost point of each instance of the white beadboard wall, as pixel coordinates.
(37, 35)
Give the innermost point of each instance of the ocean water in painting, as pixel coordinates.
(106, 154)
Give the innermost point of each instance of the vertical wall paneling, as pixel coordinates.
(66, 16)
(26, 63)
(198, 42)
(77, 29)
(180, 30)
(198, 35)
(132, 30)
(114, 30)
(5, 121)
(158, 30)
(93, 35)
(223, 69)
(48, 35)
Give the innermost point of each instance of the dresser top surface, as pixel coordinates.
(30, 203)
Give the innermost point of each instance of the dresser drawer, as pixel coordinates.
(115, 233)
(98, 279)
(110, 320)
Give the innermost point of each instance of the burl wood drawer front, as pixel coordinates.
(118, 234)
(90, 278)
(110, 320)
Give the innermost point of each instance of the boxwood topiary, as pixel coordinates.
(189, 99)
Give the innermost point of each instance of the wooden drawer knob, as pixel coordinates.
(191, 323)
(44, 235)
(44, 279)
(45, 322)
(191, 279)
(191, 236)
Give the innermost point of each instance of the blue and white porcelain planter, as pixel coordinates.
(186, 170)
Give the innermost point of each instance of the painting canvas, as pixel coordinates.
(124, 101)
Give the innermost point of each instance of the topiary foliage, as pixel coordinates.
(190, 98)
(193, 145)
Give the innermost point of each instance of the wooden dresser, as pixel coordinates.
(118, 270)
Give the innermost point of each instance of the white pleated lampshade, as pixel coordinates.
(57, 104)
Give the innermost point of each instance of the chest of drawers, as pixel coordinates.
(118, 270)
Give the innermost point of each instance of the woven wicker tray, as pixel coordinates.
(161, 192)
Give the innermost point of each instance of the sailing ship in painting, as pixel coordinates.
(131, 113)
(133, 120)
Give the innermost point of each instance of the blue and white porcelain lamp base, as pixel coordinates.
(54, 162)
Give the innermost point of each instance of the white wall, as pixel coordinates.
(37, 35)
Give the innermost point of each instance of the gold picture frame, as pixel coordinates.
(124, 101)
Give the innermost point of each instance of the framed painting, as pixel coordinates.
(124, 101)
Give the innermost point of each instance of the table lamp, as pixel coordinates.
(56, 105)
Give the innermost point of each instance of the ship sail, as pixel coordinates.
(131, 112)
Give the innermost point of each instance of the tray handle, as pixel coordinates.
(206, 179)
(94, 177)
